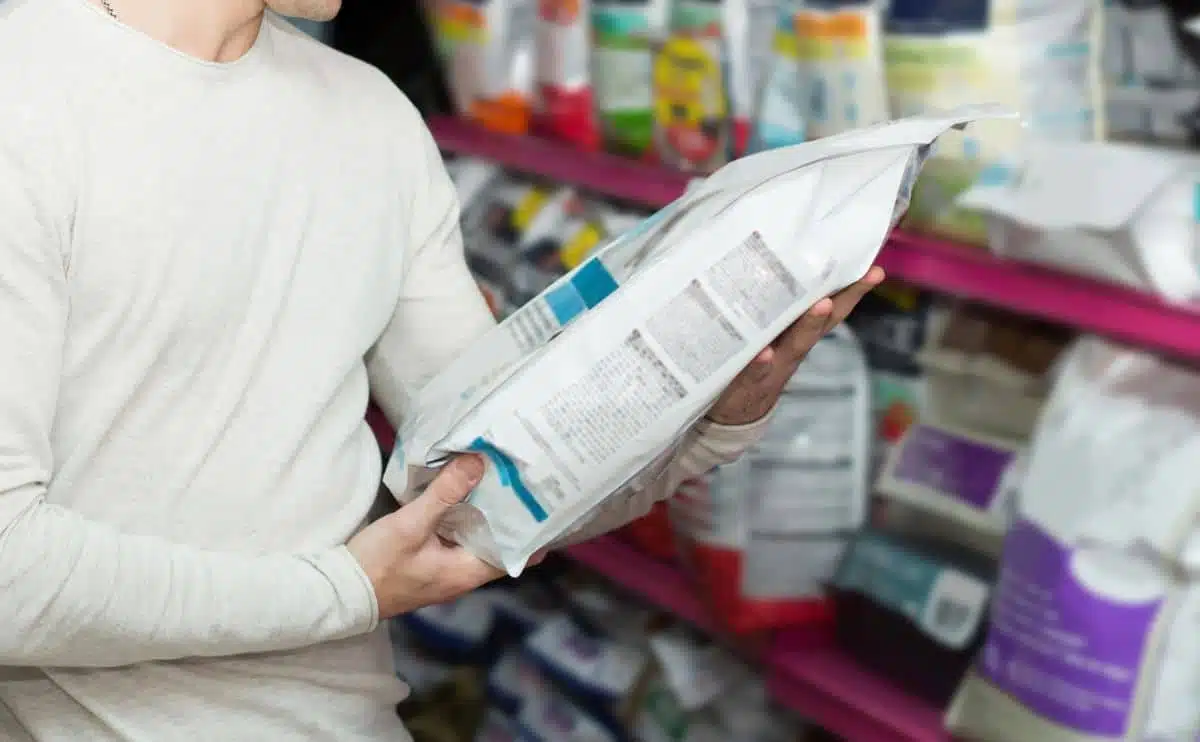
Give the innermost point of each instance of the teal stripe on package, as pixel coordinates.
(589, 285)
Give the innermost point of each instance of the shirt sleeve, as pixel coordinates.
(77, 593)
(441, 311)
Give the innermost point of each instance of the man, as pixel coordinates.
(216, 235)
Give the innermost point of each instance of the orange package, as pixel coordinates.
(486, 48)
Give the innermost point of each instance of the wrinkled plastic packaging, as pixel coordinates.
(583, 394)
(1119, 213)
(1095, 625)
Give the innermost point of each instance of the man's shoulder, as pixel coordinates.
(32, 63)
(354, 82)
(31, 37)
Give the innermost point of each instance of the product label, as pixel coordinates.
(779, 121)
(691, 115)
(621, 61)
(562, 43)
(965, 470)
(948, 604)
(841, 69)
(1063, 651)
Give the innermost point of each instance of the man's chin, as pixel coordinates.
(308, 10)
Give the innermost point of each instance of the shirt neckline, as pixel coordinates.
(169, 54)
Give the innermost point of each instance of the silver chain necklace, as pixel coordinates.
(109, 9)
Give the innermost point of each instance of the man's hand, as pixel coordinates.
(754, 392)
(408, 564)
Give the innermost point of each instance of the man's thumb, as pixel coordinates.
(449, 488)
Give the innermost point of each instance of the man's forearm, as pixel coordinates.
(80, 594)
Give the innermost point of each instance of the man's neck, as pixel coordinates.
(212, 30)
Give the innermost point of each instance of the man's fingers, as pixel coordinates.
(845, 300)
(450, 487)
(804, 334)
(469, 571)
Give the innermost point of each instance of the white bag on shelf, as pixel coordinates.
(760, 551)
(1095, 625)
(649, 331)
(1115, 212)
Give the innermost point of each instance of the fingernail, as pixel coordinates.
(821, 308)
(472, 467)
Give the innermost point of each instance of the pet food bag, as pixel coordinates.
(839, 47)
(692, 114)
(487, 49)
(749, 30)
(687, 680)
(769, 531)
(1150, 66)
(778, 120)
(579, 398)
(625, 35)
(563, 105)
(1095, 621)
(1042, 59)
(892, 323)
(1119, 213)
(950, 485)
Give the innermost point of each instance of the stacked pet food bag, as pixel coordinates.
(556, 657)
(985, 509)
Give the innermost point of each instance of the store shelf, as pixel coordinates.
(967, 272)
(654, 581)
(806, 674)
(824, 685)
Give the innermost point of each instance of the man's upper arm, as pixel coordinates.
(33, 315)
(80, 593)
(440, 310)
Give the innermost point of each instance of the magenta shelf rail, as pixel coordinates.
(824, 685)
(968, 272)
(656, 582)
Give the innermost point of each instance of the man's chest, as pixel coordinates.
(233, 239)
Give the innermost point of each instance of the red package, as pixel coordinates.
(712, 536)
(563, 108)
(651, 534)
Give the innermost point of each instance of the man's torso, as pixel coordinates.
(235, 251)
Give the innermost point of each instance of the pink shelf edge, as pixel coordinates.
(968, 272)
(657, 582)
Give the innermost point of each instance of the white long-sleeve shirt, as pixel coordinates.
(204, 268)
